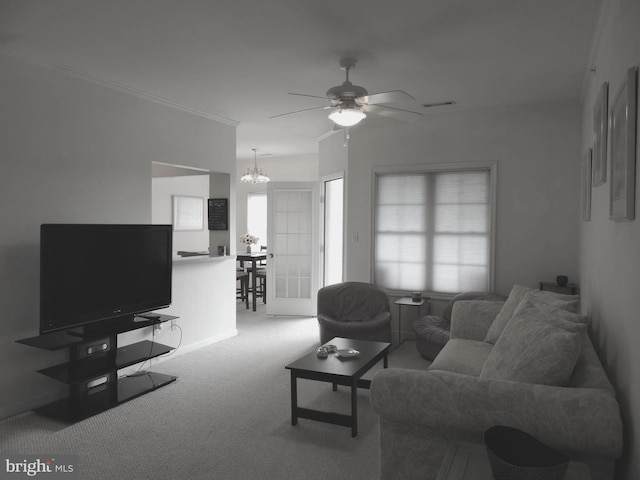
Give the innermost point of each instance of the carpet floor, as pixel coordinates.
(226, 417)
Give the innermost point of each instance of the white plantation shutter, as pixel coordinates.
(433, 230)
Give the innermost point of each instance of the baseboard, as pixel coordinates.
(198, 345)
(27, 405)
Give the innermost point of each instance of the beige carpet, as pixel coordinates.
(226, 417)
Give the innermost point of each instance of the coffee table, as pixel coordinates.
(338, 372)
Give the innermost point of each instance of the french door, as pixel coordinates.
(292, 248)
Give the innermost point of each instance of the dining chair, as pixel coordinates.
(261, 276)
(261, 286)
(262, 263)
(242, 292)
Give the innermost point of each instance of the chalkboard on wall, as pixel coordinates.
(218, 213)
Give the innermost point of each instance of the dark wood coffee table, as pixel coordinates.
(338, 372)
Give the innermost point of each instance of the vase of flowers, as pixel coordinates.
(248, 240)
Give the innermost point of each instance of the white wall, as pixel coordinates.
(163, 190)
(201, 294)
(334, 153)
(610, 251)
(74, 151)
(536, 148)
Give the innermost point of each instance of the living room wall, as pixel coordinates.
(536, 149)
(76, 151)
(163, 190)
(610, 251)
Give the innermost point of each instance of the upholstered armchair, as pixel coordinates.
(354, 310)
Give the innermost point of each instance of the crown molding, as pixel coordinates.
(66, 69)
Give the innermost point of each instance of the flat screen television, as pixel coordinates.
(91, 273)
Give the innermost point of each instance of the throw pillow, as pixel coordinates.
(506, 313)
(538, 346)
(550, 300)
(540, 298)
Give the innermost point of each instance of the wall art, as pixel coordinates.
(600, 110)
(623, 149)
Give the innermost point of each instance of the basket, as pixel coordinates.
(516, 455)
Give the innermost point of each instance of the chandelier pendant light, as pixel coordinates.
(255, 174)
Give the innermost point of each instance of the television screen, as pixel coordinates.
(90, 272)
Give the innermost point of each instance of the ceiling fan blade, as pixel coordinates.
(305, 95)
(385, 97)
(392, 112)
(299, 111)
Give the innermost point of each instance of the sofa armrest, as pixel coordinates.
(471, 319)
(570, 419)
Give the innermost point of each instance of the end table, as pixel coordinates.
(568, 289)
(408, 302)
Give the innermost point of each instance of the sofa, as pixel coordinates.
(433, 331)
(526, 363)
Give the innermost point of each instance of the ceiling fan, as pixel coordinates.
(349, 103)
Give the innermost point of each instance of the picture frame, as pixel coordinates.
(188, 213)
(586, 185)
(623, 149)
(600, 122)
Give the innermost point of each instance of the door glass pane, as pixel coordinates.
(333, 230)
(257, 216)
(293, 243)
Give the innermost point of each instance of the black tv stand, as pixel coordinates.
(94, 362)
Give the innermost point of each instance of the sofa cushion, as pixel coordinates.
(521, 295)
(515, 297)
(549, 301)
(538, 345)
(462, 356)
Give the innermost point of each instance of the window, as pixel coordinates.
(433, 230)
(257, 216)
(333, 230)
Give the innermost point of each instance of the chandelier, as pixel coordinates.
(255, 174)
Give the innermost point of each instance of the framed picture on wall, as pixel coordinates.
(623, 149)
(188, 213)
(586, 186)
(600, 110)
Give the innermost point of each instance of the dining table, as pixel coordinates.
(253, 258)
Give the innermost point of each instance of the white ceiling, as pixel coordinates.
(238, 59)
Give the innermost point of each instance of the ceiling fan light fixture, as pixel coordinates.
(347, 117)
(255, 174)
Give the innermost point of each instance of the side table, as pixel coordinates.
(408, 302)
(469, 461)
(568, 289)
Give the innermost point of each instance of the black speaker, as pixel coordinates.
(94, 347)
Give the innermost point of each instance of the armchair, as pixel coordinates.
(354, 310)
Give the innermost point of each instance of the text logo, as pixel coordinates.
(49, 467)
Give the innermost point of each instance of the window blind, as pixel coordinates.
(432, 231)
